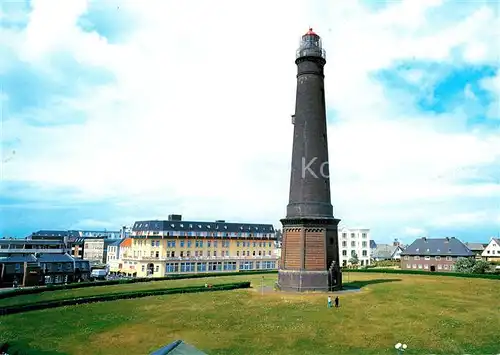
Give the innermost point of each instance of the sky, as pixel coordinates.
(117, 111)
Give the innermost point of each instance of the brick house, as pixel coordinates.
(434, 254)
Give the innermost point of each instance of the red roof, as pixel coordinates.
(310, 32)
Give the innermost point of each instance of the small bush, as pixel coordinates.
(416, 272)
(385, 263)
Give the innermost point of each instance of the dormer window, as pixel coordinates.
(190, 226)
(199, 226)
(257, 228)
(417, 250)
(225, 227)
(208, 226)
(172, 225)
(241, 228)
(182, 225)
(428, 250)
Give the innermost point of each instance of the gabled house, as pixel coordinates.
(476, 248)
(492, 250)
(387, 252)
(113, 255)
(434, 254)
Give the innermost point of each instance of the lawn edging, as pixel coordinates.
(40, 289)
(416, 272)
(21, 308)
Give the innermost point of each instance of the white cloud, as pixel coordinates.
(492, 85)
(414, 232)
(200, 112)
(461, 220)
(469, 92)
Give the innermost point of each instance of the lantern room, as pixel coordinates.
(311, 46)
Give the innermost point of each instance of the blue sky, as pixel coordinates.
(118, 111)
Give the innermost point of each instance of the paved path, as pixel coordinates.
(271, 289)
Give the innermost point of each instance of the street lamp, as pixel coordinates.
(400, 348)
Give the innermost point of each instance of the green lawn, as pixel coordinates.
(269, 279)
(432, 314)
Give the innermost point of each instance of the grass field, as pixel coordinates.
(269, 279)
(432, 314)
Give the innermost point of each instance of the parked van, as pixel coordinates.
(99, 274)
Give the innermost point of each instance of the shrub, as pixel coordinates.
(385, 263)
(471, 266)
(416, 272)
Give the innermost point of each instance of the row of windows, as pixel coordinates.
(353, 235)
(215, 266)
(172, 254)
(353, 252)
(206, 234)
(194, 225)
(199, 243)
(261, 253)
(448, 258)
(426, 267)
(353, 244)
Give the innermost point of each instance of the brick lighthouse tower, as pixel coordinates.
(310, 249)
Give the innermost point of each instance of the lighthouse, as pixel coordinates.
(310, 248)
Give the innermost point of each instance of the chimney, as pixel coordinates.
(396, 243)
(447, 239)
(424, 239)
(175, 217)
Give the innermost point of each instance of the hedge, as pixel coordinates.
(36, 290)
(17, 348)
(118, 296)
(416, 272)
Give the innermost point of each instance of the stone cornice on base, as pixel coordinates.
(310, 221)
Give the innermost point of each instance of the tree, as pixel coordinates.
(471, 266)
(279, 235)
(464, 265)
(354, 259)
(480, 267)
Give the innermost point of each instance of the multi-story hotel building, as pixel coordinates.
(158, 248)
(354, 242)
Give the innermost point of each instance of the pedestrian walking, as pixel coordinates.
(337, 302)
(329, 302)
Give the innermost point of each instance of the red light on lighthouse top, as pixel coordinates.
(310, 32)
